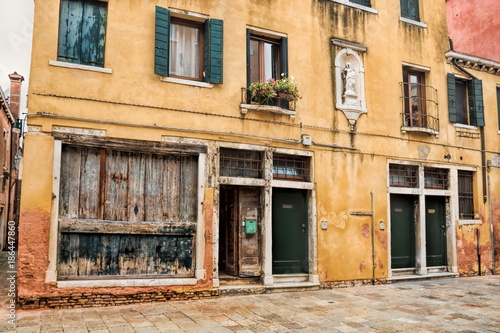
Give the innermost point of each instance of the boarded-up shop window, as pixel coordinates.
(126, 213)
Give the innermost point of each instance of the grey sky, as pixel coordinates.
(16, 18)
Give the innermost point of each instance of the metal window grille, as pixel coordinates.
(291, 167)
(436, 178)
(403, 175)
(465, 195)
(240, 163)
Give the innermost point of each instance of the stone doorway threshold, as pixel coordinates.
(281, 283)
(408, 274)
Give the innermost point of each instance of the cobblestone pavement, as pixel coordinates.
(447, 305)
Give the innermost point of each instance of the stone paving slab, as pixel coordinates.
(445, 305)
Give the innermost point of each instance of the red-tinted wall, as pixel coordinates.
(474, 27)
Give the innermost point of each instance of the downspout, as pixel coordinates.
(481, 128)
(492, 231)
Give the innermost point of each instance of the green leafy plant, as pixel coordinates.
(287, 86)
(262, 93)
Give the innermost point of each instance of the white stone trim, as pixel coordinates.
(127, 283)
(192, 16)
(467, 222)
(473, 62)
(417, 23)
(78, 66)
(186, 82)
(181, 140)
(51, 273)
(79, 131)
(292, 184)
(266, 33)
(358, 6)
(200, 226)
(418, 67)
(241, 181)
(35, 130)
(349, 45)
(458, 125)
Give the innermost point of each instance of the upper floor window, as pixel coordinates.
(419, 103)
(410, 10)
(267, 57)
(498, 106)
(82, 32)
(465, 101)
(362, 2)
(188, 46)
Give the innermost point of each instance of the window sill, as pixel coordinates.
(405, 129)
(128, 283)
(465, 126)
(467, 222)
(417, 23)
(274, 109)
(78, 66)
(358, 6)
(186, 82)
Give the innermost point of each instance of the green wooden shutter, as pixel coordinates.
(283, 57)
(213, 50)
(70, 31)
(249, 68)
(162, 39)
(93, 33)
(498, 106)
(476, 105)
(452, 98)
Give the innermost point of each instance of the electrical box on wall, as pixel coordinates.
(306, 140)
(250, 225)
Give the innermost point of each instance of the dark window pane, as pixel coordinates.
(291, 167)
(461, 102)
(465, 195)
(240, 163)
(403, 175)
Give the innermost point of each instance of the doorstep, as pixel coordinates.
(416, 277)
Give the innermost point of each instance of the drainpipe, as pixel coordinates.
(492, 233)
(478, 236)
(481, 128)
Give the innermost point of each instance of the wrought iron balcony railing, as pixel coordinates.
(420, 108)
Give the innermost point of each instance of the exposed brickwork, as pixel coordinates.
(350, 283)
(85, 300)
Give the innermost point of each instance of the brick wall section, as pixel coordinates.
(85, 300)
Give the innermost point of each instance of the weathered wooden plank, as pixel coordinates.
(89, 183)
(153, 188)
(136, 185)
(125, 255)
(70, 182)
(173, 185)
(189, 189)
(130, 145)
(249, 249)
(116, 193)
(126, 227)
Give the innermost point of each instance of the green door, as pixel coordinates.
(290, 222)
(435, 231)
(402, 231)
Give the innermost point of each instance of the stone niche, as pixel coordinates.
(350, 80)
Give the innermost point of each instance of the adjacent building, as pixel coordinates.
(164, 161)
(10, 161)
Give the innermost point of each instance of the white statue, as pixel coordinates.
(349, 77)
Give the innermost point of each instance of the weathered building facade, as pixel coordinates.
(153, 173)
(10, 161)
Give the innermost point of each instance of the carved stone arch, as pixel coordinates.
(350, 84)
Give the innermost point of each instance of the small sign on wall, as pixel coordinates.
(495, 161)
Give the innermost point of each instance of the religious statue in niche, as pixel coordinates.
(349, 80)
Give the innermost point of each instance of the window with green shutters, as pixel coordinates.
(465, 101)
(187, 49)
(410, 10)
(82, 32)
(362, 2)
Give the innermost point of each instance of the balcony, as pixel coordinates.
(420, 108)
(279, 104)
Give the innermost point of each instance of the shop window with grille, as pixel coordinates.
(401, 175)
(436, 178)
(465, 195)
(291, 167)
(240, 163)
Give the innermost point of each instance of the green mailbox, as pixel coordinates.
(250, 225)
